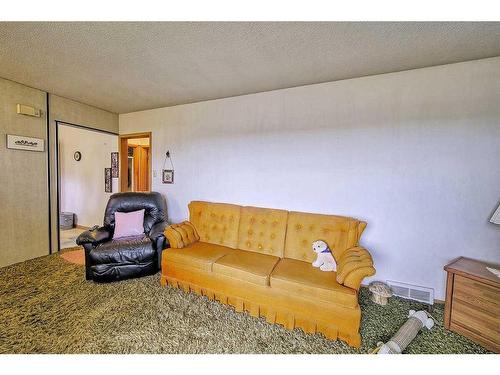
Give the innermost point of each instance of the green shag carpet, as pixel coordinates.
(46, 306)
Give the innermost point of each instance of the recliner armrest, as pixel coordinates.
(94, 236)
(157, 231)
(181, 235)
(353, 266)
(157, 237)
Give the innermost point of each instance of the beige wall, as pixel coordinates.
(23, 178)
(415, 154)
(24, 213)
(62, 109)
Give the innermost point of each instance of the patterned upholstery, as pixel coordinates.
(262, 230)
(216, 223)
(340, 233)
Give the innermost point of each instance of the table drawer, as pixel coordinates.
(475, 292)
(477, 320)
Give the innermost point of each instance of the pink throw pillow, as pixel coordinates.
(129, 224)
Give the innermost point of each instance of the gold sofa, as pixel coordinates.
(259, 260)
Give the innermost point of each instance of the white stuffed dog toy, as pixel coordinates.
(324, 260)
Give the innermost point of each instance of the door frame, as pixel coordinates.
(123, 154)
(58, 171)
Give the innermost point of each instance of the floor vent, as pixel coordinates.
(408, 291)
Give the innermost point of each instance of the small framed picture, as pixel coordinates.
(168, 176)
(114, 165)
(108, 187)
(20, 142)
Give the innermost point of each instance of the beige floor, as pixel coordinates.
(68, 237)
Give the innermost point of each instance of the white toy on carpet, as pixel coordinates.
(405, 335)
(324, 260)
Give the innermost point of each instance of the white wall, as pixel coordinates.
(416, 154)
(82, 183)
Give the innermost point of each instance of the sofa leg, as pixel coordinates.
(163, 281)
(354, 340)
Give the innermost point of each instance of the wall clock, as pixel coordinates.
(77, 155)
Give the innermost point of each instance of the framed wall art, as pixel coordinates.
(108, 183)
(114, 165)
(19, 142)
(168, 176)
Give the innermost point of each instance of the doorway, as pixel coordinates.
(83, 154)
(135, 162)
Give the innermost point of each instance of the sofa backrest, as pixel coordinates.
(262, 230)
(274, 232)
(339, 232)
(216, 223)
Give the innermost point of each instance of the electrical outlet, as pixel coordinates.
(154, 173)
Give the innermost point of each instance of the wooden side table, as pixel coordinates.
(472, 306)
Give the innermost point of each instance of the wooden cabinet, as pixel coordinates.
(473, 302)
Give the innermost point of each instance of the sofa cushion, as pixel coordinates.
(339, 232)
(262, 230)
(216, 223)
(302, 279)
(125, 250)
(246, 266)
(200, 255)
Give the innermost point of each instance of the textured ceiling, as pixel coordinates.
(124, 67)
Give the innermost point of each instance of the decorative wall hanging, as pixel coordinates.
(19, 142)
(114, 165)
(108, 187)
(168, 174)
(77, 156)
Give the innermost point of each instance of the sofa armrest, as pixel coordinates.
(94, 236)
(181, 235)
(353, 266)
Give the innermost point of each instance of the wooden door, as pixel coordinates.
(141, 168)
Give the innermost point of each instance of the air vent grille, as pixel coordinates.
(400, 291)
(414, 292)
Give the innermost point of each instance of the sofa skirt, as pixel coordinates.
(291, 311)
